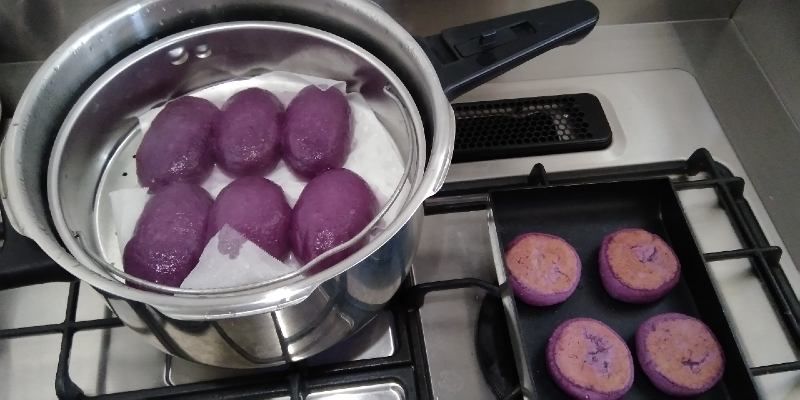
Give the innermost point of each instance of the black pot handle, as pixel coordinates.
(22, 262)
(469, 55)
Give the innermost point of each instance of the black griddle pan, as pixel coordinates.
(583, 214)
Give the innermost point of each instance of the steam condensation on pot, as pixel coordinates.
(257, 209)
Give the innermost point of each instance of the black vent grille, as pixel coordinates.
(488, 130)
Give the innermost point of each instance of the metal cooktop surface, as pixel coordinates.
(646, 128)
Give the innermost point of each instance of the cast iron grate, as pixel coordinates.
(705, 172)
(489, 130)
(408, 366)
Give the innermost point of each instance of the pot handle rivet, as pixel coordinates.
(178, 55)
(202, 51)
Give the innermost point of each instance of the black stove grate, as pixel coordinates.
(704, 172)
(408, 365)
(488, 130)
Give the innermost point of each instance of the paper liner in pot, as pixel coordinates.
(374, 156)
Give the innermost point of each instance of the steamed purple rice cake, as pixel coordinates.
(177, 146)
(257, 209)
(332, 209)
(170, 235)
(317, 131)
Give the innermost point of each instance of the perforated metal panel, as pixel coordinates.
(529, 126)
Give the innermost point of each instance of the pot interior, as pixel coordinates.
(92, 153)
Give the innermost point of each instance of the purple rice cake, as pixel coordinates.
(679, 354)
(637, 266)
(588, 360)
(543, 269)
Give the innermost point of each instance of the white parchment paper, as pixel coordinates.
(374, 156)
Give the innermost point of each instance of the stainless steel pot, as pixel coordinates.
(97, 142)
(295, 318)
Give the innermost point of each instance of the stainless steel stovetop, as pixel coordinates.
(647, 128)
(658, 112)
(452, 246)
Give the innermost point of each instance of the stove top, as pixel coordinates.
(429, 352)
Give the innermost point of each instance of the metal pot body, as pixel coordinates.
(332, 312)
(263, 326)
(257, 328)
(99, 137)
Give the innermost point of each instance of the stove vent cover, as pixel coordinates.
(488, 130)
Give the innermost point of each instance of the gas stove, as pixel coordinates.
(656, 111)
(425, 348)
(655, 116)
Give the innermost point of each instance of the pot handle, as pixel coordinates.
(22, 262)
(467, 56)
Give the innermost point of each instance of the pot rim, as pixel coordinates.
(74, 242)
(23, 216)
